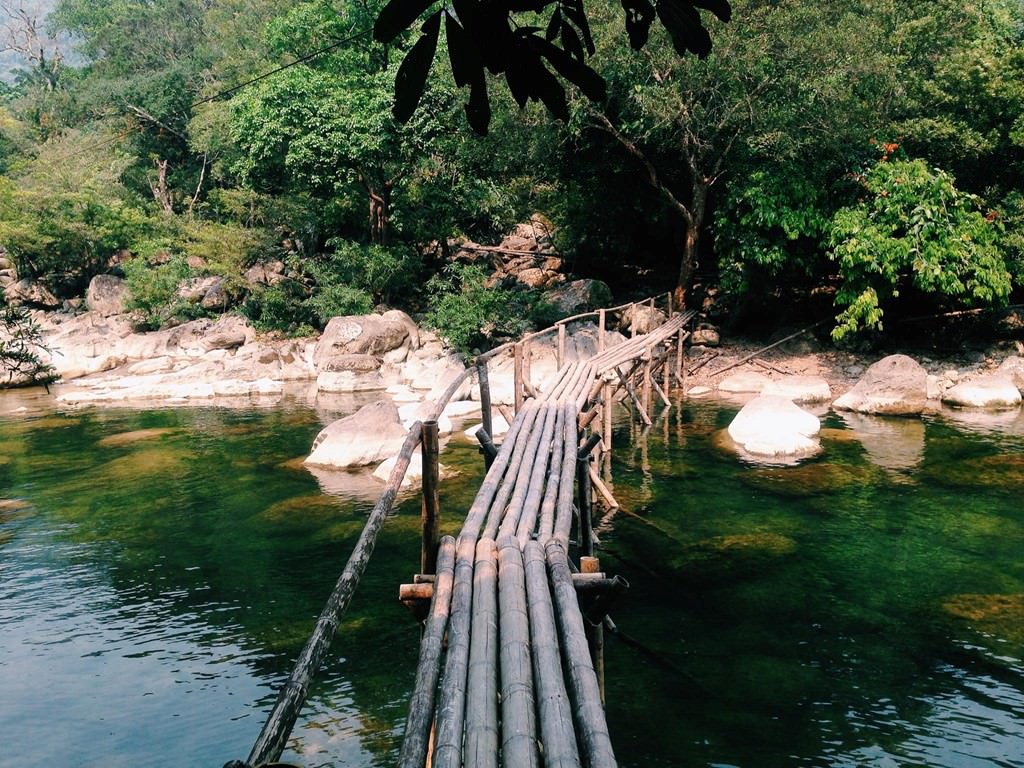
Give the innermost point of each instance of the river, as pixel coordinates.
(160, 570)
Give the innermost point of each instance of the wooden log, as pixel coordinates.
(585, 583)
(603, 490)
(420, 591)
(762, 350)
(647, 381)
(557, 734)
(278, 725)
(657, 388)
(421, 705)
(601, 322)
(484, 382)
(561, 345)
(666, 370)
(636, 400)
(589, 416)
(518, 715)
(671, 311)
(487, 447)
(584, 690)
(430, 509)
(482, 692)
(546, 526)
(517, 376)
(506, 414)
(564, 506)
(451, 703)
(527, 370)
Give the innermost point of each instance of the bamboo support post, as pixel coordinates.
(484, 382)
(482, 738)
(666, 371)
(585, 584)
(602, 489)
(584, 689)
(517, 376)
(487, 446)
(595, 632)
(646, 391)
(556, 729)
(644, 416)
(506, 414)
(657, 387)
(589, 416)
(527, 370)
(601, 322)
(518, 716)
(278, 726)
(430, 511)
(671, 309)
(561, 344)
(421, 706)
(585, 505)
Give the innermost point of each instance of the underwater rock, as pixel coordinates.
(136, 436)
(812, 479)
(732, 557)
(1004, 470)
(770, 426)
(896, 385)
(893, 444)
(413, 475)
(1000, 615)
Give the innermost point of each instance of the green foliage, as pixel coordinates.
(152, 290)
(21, 350)
(283, 308)
(913, 228)
(468, 314)
(338, 300)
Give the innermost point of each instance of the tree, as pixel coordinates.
(913, 230)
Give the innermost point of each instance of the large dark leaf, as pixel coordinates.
(574, 10)
(397, 16)
(639, 16)
(493, 32)
(461, 52)
(478, 110)
(682, 21)
(720, 8)
(545, 86)
(518, 79)
(571, 42)
(553, 25)
(576, 72)
(412, 74)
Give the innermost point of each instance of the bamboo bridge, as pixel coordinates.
(511, 667)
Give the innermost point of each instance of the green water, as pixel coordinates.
(160, 570)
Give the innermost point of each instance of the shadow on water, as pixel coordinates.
(162, 569)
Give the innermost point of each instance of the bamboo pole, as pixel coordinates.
(518, 715)
(646, 391)
(602, 489)
(583, 685)
(421, 706)
(451, 703)
(484, 381)
(564, 507)
(278, 726)
(482, 691)
(547, 507)
(595, 631)
(517, 376)
(430, 510)
(636, 399)
(601, 322)
(527, 370)
(561, 344)
(556, 729)
(515, 467)
(585, 504)
(487, 447)
(666, 371)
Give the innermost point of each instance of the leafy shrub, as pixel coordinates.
(338, 300)
(470, 315)
(21, 349)
(282, 308)
(152, 291)
(386, 274)
(913, 228)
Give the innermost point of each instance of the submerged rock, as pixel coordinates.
(1002, 470)
(807, 480)
(413, 475)
(136, 436)
(893, 444)
(770, 426)
(729, 558)
(1001, 615)
(895, 385)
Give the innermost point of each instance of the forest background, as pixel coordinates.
(855, 160)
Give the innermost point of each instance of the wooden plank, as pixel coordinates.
(482, 692)
(584, 690)
(518, 715)
(557, 735)
(421, 706)
(278, 725)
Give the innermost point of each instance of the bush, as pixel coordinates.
(468, 314)
(386, 274)
(21, 347)
(153, 291)
(282, 308)
(334, 300)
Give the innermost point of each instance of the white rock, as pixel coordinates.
(800, 389)
(498, 424)
(368, 436)
(462, 409)
(413, 475)
(698, 391)
(743, 382)
(349, 381)
(1014, 368)
(995, 391)
(413, 412)
(770, 425)
(895, 385)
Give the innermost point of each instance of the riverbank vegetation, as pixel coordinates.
(863, 155)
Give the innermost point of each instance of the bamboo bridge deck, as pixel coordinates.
(510, 669)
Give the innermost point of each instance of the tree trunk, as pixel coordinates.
(380, 214)
(691, 245)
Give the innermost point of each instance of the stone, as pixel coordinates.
(992, 391)
(895, 385)
(743, 382)
(194, 289)
(800, 389)
(642, 318)
(370, 435)
(708, 337)
(1013, 367)
(533, 277)
(413, 475)
(266, 273)
(229, 332)
(577, 296)
(216, 296)
(410, 413)
(355, 363)
(106, 295)
(31, 293)
(771, 426)
(498, 424)
(360, 335)
(349, 381)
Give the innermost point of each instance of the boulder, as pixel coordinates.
(32, 293)
(498, 424)
(577, 296)
(1013, 367)
(229, 332)
(106, 295)
(744, 382)
(773, 426)
(194, 290)
(994, 391)
(216, 296)
(370, 435)
(354, 363)
(641, 318)
(266, 273)
(895, 385)
(706, 336)
(413, 475)
(360, 335)
(800, 389)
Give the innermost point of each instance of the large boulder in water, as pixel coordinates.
(370, 435)
(996, 392)
(773, 426)
(896, 385)
(360, 335)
